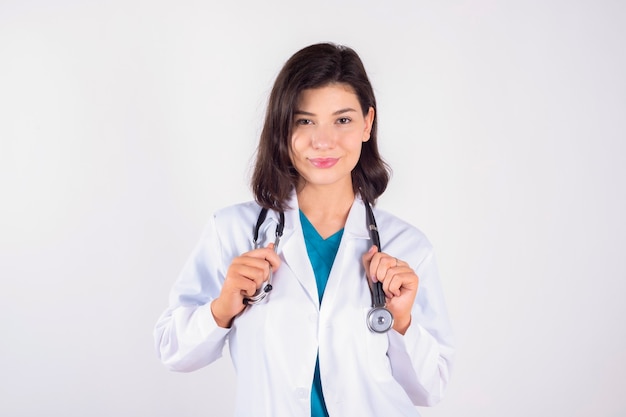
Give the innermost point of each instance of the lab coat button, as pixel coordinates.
(301, 393)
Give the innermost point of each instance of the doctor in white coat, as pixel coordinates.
(306, 349)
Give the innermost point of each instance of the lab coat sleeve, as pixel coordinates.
(421, 359)
(186, 335)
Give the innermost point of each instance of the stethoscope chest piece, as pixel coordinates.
(379, 319)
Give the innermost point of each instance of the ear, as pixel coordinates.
(369, 121)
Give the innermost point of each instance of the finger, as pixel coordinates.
(256, 260)
(245, 263)
(246, 286)
(258, 273)
(400, 262)
(245, 278)
(273, 259)
(396, 282)
(389, 280)
(379, 265)
(268, 254)
(383, 263)
(388, 268)
(403, 279)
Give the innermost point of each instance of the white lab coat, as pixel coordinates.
(274, 345)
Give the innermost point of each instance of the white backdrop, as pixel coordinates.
(124, 124)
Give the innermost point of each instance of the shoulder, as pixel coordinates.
(400, 236)
(233, 220)
(231, 228)
(242, 213)
(385, 219)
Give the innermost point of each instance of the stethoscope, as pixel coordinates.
(379, 318)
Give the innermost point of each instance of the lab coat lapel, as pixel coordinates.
(353, 246)
(294, 251)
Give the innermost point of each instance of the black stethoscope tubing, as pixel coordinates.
(379, 318)
(263, 292)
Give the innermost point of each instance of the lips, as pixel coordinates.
(323, 162)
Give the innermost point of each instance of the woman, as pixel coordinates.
(306, 347)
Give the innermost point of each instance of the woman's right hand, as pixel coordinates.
(246, 274)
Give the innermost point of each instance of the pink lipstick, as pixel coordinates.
(323, 162)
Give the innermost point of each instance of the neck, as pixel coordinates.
(327, 209)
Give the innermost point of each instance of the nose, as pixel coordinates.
(322, 138)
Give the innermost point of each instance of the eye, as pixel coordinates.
(344, 120)
(304, 122)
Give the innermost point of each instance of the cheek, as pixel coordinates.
(355, 145)
(300, 144)
(294, 151)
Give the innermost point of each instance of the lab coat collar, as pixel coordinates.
(295, 255)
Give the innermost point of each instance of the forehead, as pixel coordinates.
(328, 96)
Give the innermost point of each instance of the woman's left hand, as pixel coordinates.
(399, 281)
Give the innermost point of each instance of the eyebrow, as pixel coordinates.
(341, 111)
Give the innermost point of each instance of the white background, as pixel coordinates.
(124, 124)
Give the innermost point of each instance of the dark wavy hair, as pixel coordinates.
(315, 66)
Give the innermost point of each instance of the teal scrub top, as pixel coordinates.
(322, 254)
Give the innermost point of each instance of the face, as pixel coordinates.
(329, 129)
